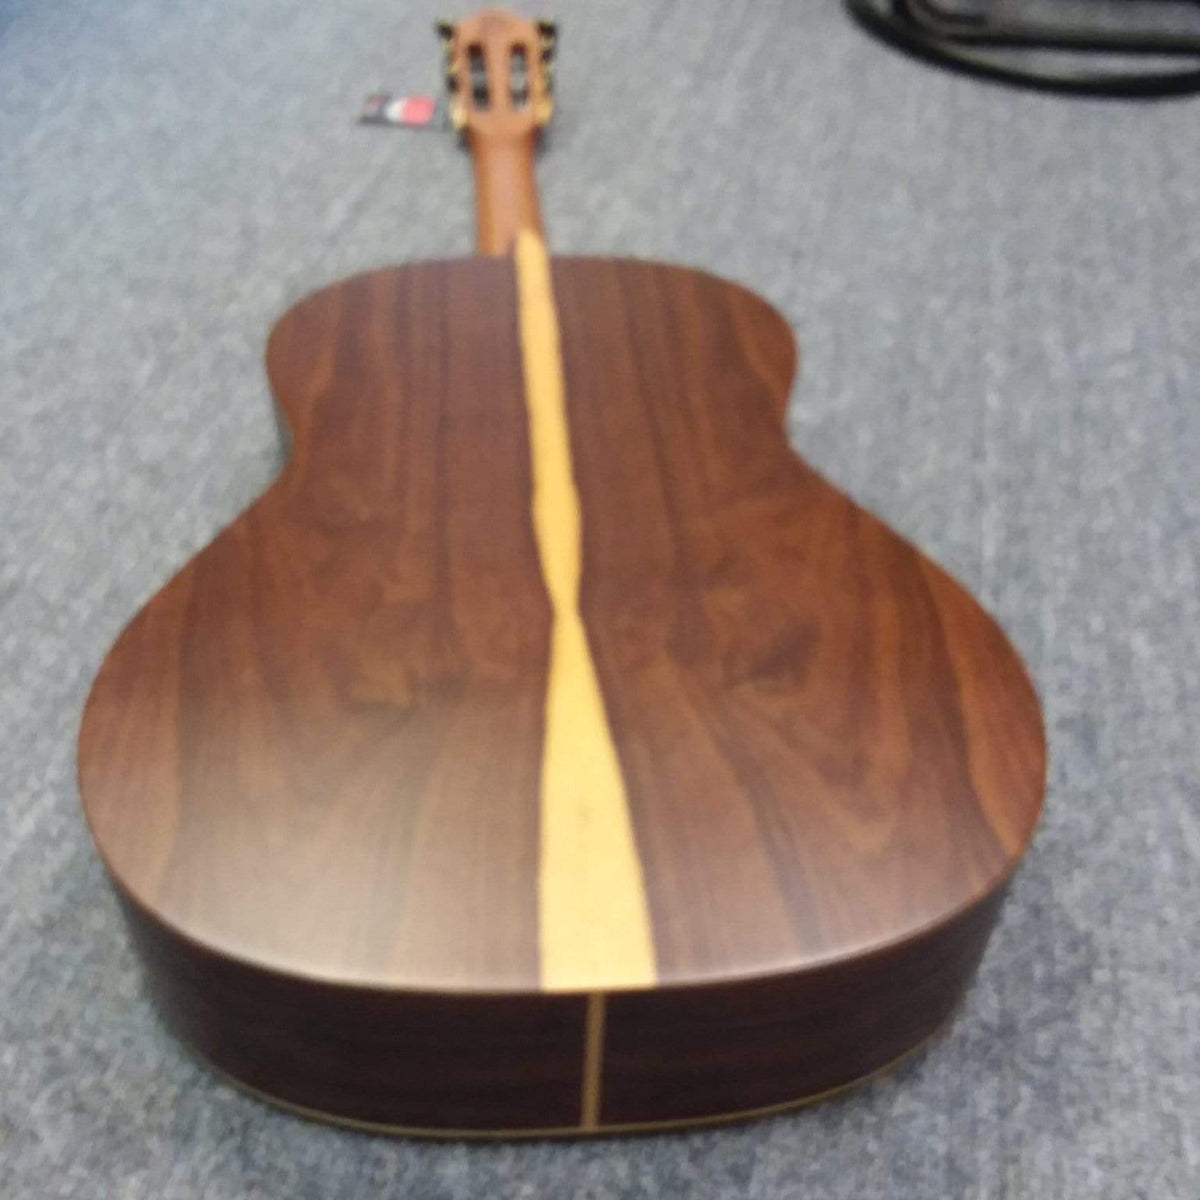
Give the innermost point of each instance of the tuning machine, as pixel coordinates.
(547, 45)
(447, 32)
(547, 50)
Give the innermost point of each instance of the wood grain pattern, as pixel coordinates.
(827, 743)
(312, 761)
(288, 752)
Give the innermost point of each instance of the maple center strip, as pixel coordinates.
(594, 924)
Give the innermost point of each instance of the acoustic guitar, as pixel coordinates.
(550, 750)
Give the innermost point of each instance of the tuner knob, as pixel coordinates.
(445, 29)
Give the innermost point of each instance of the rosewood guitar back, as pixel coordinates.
(317, 762)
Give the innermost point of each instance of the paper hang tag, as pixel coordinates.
(412, 112)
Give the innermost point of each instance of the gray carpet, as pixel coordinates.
(998, 296)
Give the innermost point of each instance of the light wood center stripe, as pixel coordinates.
(594, 925)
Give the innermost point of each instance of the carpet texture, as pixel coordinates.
(998, 299)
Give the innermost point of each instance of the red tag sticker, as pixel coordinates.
(382, 108)
(415, 110)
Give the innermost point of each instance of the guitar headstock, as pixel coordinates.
(499, 72)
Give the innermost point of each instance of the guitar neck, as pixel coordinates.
(506, 199)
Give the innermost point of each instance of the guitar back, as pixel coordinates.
(410, 839)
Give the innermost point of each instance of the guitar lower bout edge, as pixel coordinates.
(462, 1065)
